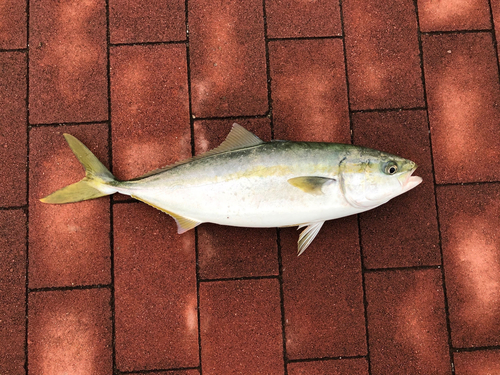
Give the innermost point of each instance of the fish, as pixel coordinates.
(246, 182)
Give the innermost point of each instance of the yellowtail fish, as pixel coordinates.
(247, 182)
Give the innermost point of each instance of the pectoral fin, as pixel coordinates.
(183, 223)
(307, 235)
(311, 184)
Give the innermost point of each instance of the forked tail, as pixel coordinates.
(98, 181)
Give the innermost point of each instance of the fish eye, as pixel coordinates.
(391, 168)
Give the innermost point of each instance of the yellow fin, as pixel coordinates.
(237, 138)
(98, 181)
(183, 223)
(310, 184)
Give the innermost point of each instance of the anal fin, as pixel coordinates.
(183, 223)
(307, 235)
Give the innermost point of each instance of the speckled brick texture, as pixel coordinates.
(150, 108)
(481, 362)
(463, 94)
(323, 293)
(394, 235)
(69, 332)
(357, 366)
(14, 29)
(309, 90)
(295, 18)
(383, 62)
(407, 323)
(12, 286)
(155, 291)
(470, 218)
(13, 128)
(107, 286)
(68, 80)
(69, 244)
(448, 15)
(227, 58)
(231, 310)
(146, 21)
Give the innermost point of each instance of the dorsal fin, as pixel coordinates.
(237, 138)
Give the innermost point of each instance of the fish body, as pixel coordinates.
(250, 183)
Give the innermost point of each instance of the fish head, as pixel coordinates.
(370, 178)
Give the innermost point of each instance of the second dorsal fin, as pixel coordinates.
(237, 138)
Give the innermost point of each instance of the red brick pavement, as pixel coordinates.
(108, 287)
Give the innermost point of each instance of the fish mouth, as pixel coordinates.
(408, 181)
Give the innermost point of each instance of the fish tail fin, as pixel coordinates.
(98, 180)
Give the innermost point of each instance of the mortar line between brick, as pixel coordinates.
(235, 118)
(12, 208)
(362, 263)
(448, 32)
(476, 348)
(57, 124)
(112, 302)
(67, 288)
(13, 50)
(278, 232)
(343, 357)
(479, 183)
(494, 36)
(170, 42)
(443, 277)
(385, 110)
(409, 268)
(243, 278)
(305, 38)
(193, 150)
(26, 210)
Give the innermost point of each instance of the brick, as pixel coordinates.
(463, 92)
(240, 327)
(13, 131)
(13, 287)
(67, 65)
(228, 58)
(230, 251)
(69, 243)
(382, 54)
(469, 219)
(13, 32)
(146, 21)
(172, 372)
(402, 232)
(309, 90)
(357, 366)
(480, 362)
(69, 332)
(149, 108)
(155, 291)
(407, 322)
(226, 252)
(294, 18)
(447, 15)
(323, 294)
